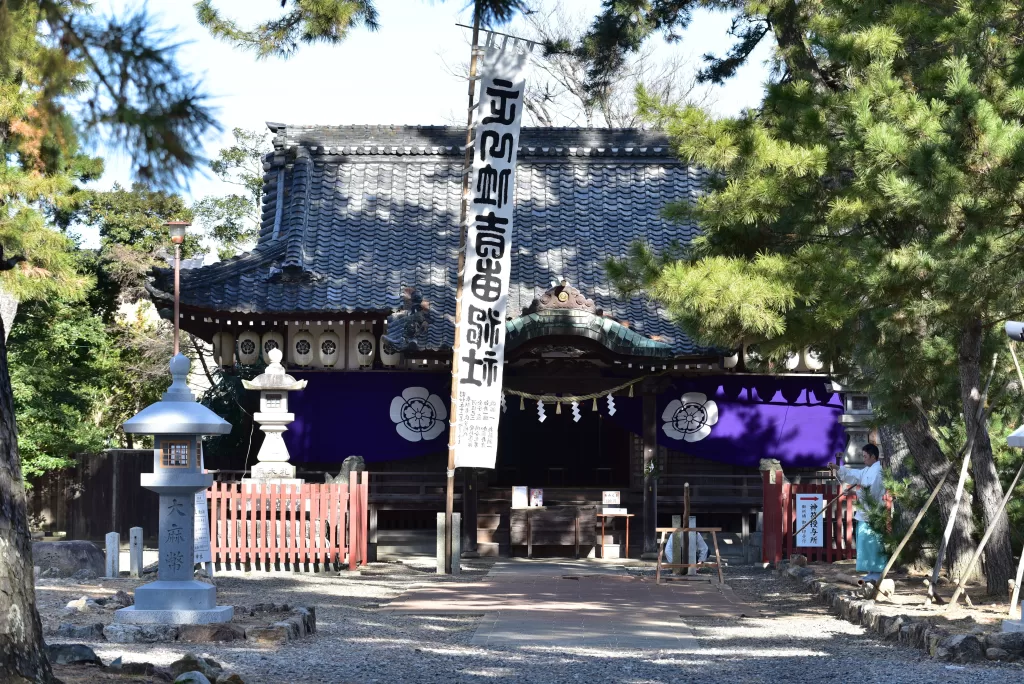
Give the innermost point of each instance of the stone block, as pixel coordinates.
(209, 633)
(267, 635)
(230, 678)
(192, 678)
(66, 630)
(71, 654)
(140, 634)
(798, 560)
(112, 567)
(143, 670)
(135, 548)
(133, 615)
(997, 654)
(190, 662)
(964, 648)
(68, 557)
(1012, 642)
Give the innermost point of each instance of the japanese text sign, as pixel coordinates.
(481, 331)
(808, 506)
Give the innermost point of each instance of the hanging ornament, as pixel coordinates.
(504, 406)
(576, 412)
(611, 404)
(631, 391)
(594, 405)
(540, 411)
(522, 403)
(558, 409)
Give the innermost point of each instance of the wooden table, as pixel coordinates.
(557, 525)
(627, 516)
(665, 531)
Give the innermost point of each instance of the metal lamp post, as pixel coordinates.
(177, 230)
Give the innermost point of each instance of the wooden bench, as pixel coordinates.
(665, 531)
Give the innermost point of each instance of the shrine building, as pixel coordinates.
(354, 275)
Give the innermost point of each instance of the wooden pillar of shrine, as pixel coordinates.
(470, 495)
(650, 437)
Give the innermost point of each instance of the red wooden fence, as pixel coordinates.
(779, 540)
(268, 525)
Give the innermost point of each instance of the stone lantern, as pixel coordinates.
(177, 423)
(274, 385)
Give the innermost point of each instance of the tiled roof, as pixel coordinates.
(353, 214)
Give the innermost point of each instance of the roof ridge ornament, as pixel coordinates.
(563, 296)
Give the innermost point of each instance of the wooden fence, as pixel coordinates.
(780, 525)
(269, 526)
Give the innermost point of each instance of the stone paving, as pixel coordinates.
(575, 604)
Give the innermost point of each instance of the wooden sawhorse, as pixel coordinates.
(665, 531)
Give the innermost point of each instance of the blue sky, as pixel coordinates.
(394, 76)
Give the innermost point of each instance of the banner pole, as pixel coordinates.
(449, 497)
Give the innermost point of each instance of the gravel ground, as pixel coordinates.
(793, 639)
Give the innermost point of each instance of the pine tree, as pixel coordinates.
(871, 206)
(125, 86)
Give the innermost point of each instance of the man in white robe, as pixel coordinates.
(871, 557)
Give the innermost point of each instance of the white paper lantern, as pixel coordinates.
(792, 361)
(271, 340)
(812, 360)
(731, 361)
(389, 354)
(248, 347)
(366, 345)
(329, 348)
(302, 348)
(224, 349)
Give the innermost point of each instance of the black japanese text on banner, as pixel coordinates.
(488, 258)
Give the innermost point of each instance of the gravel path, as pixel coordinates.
(792, 640)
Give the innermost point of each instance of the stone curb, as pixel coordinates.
(299, 622)
(938, 642)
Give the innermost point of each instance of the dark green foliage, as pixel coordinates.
(233, 220)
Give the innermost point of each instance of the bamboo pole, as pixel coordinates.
(449, 498)
(1015, 596)
(951, 521)
(984, 540)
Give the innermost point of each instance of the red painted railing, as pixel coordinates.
(270, 525)
(780, 513)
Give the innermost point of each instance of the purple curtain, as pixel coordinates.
(795, 420)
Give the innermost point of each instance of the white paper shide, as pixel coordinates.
(481, 352)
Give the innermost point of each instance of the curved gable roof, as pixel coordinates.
(354, 214)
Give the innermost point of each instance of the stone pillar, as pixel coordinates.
(177, 514)
(456, 544)
(470, 496)
(440, 544)
(113, 567)
(135, 552)
(650, 437)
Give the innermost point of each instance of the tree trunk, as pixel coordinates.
(896, 458)
(22, 656)
(988, 491)
(932, 464)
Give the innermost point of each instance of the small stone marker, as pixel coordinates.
(113, 567)
(456, 543)
(440, 543)
(135, 552)
(691, 547)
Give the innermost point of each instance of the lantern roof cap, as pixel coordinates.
(177, 412)
(274, 377)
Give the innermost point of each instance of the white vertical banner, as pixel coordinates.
(481, 332)
(201, 522)
(808, 506)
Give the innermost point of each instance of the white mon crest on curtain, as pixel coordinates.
(418, 414)
(690, 418)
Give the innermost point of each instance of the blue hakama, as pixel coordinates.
(870, 550)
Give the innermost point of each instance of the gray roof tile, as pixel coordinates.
(368, 210)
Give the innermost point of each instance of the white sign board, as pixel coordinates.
(610, 498)
(520, 497)
(478, 365)
(808, 506)
(201, 526)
